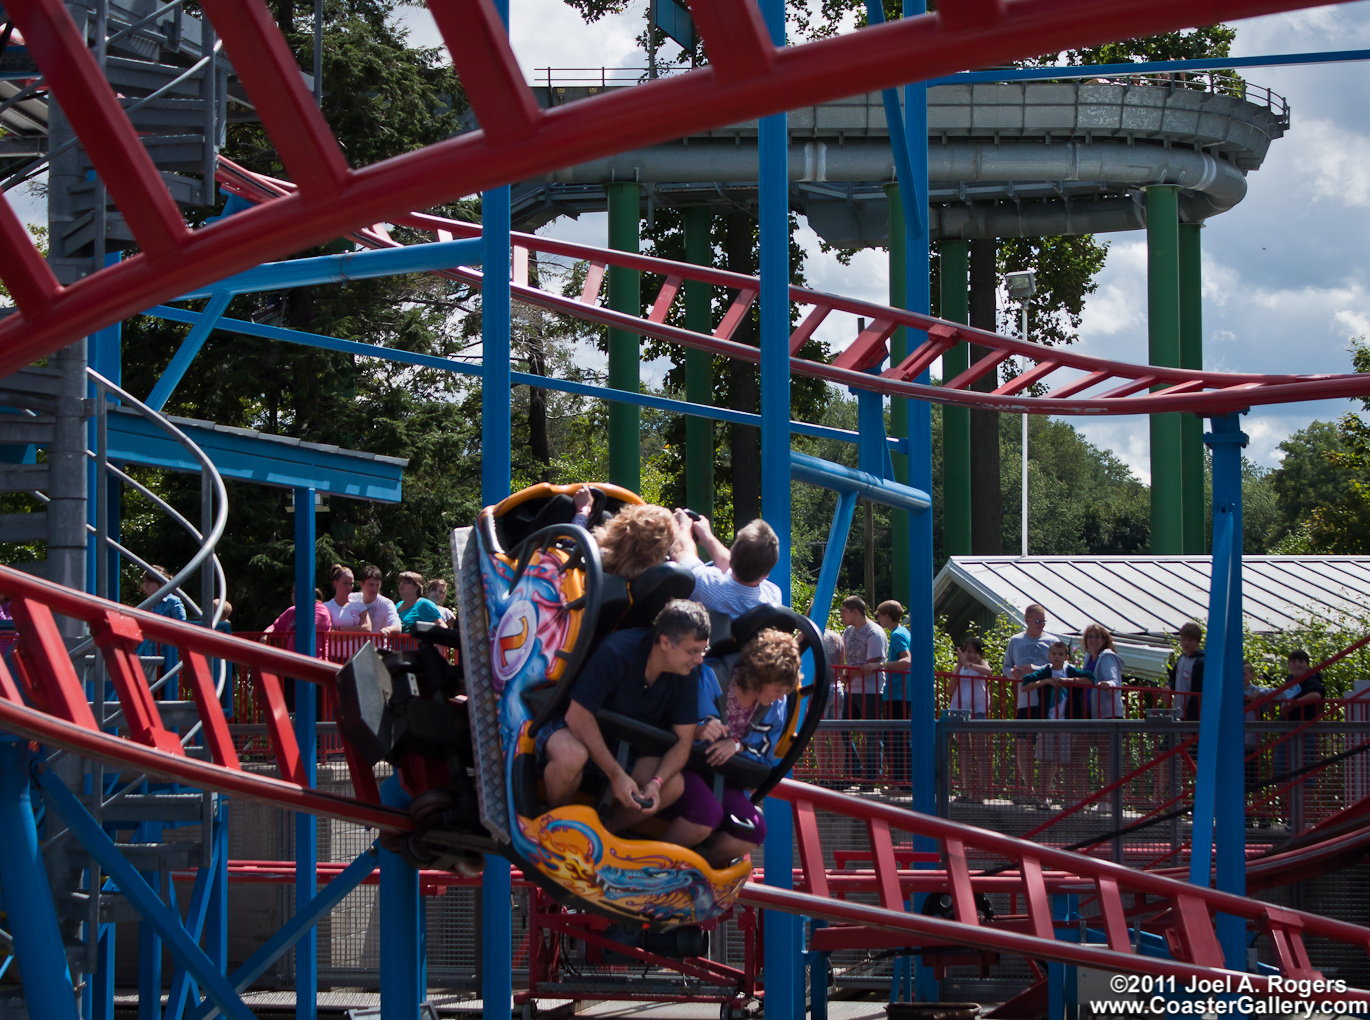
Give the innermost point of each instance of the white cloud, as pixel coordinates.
(1355, 323)
(1336, 166)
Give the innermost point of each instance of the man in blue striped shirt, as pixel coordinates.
(736, 580)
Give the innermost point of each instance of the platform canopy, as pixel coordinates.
(1143, 600)
(247, 455)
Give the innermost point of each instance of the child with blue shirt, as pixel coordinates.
(1053, 749)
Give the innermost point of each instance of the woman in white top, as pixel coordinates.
(342, 579)
(1101, 659)
(971, 694)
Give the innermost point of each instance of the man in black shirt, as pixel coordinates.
(651, 676)
(1301, 700)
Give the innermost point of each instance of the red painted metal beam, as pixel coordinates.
(106, 133)
(267, 69)
(212, 643)
(870, 59)
(921, 929)
(112, 750)
(1184, 389)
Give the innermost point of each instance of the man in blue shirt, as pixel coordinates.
(651, 676)
(736, 580)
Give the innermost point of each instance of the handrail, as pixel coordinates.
(208, 542)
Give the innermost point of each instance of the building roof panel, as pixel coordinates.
(1148, 597)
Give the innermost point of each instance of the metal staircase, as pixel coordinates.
(169, 74)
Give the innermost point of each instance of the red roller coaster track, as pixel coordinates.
(1094, 386)
(747, 77)
(44, 700)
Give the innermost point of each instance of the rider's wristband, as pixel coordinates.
(655, 779)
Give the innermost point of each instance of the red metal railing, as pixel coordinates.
(332, 646)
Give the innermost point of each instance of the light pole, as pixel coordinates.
(1021, 286)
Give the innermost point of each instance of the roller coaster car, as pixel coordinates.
(533, 601)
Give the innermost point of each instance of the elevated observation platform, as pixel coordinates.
(1015, 159)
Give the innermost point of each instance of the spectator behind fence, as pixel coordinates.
(230, 677)
(437, 594)
(172, 608)
(1103, 660)
(1055, 749)
(744, 714)
(371, 606)
(863, 644)
(413, 607)
(1186, 676)
(342, 580)
(971, 694)
(640, 536)
(1026, 651)
(736, 580)
(285, 623)
(1251, 692)
(897, 692)
(1301, 703)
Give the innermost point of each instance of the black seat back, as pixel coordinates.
(728, 640)
(649, 592)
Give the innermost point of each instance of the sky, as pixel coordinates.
(1285, 272)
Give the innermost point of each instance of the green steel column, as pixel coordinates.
(1192, 356)
(699, 366)
(1163, 330)
(625, 450)
(955, 420)
(899, 407)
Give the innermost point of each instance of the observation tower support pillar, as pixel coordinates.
(1163, 334)
(625, 295)
(1192, 356)
(699, 366)
(955, 301)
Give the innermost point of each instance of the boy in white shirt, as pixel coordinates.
(864, 644)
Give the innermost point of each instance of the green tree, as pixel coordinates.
(382, 97)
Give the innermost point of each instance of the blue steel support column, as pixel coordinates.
(784, 975)
(399, 907)
(216, 921)
(28, 898)
(496, 965)
(190, 346)
(104, 356)
(1220, 797)
(306, 700)
(922, 707)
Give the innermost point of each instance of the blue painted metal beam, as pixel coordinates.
(496, 966)
(305, 918)
(784, 975)
(358, 348)
(1154, 67)
(352, 265)
(245, 456)
(804, 468)
(190, 346)
(32, 918)
(152, 910)
(306, 735)
(833, 552)
(195, 922)
(1220, 792)
(915, 212)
